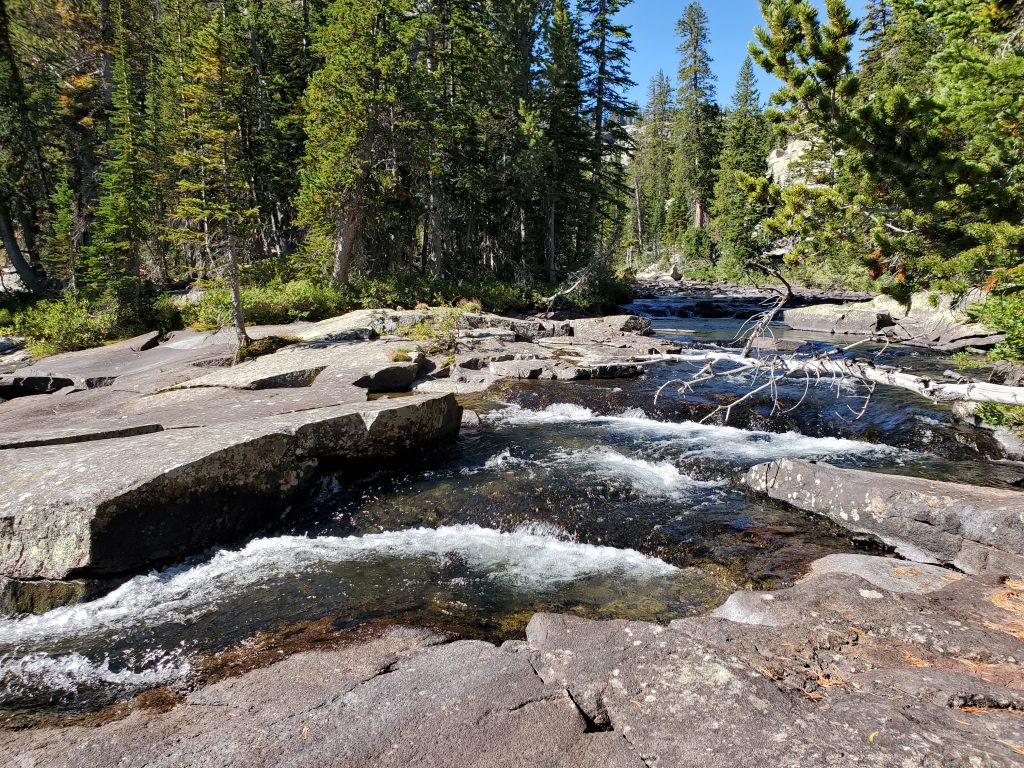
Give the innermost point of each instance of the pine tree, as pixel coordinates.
(874, 27)
(511, 132)
(353, 103)
(745, 147)
(122, 218)
(607, 45)
(696, 129)
(565, 137)
(651, 168)
(61, 251)
(24, 195)
(214, 211)
(922, 191)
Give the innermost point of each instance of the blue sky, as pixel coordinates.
(732, 24)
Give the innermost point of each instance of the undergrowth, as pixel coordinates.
(75, 321)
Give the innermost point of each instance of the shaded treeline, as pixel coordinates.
(146, 142)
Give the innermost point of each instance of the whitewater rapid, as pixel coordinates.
(693, 439)
(530, 558)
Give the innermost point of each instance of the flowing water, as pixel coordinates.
(586, 498)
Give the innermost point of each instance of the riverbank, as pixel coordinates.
(628, 513)
(867, 659)
(141, 453)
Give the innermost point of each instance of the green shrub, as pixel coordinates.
(401, 355)
(1011, 416)
(437, 335)
(273, 304)
(62, 325)
(1005, 312)
(284, 302)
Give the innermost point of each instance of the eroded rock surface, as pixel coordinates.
(599, 348)
(150, 452)
(972, 528)
(113, 506)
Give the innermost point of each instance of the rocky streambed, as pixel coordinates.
(584, 577)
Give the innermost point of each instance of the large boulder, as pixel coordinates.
(115, 506)
(931, 320)
(972, 528)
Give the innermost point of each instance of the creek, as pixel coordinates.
(583, 497)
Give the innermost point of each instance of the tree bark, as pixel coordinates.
(31, 143)
(828, 367)
(600, 83)
(29, 277)
(345, 242)
(549, 243)
(238, 316)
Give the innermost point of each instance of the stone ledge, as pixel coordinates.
(973, 528)
(114, 506)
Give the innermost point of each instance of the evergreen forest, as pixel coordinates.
(296, 158)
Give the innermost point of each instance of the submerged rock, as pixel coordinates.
(972, 528)
(20, 597)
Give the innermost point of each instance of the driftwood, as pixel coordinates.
(832, 366)
(828, 367)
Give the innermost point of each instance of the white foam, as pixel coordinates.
(648, 478)
(553, 414)
(71, 673)
(699, 440)
(713, 441)
(499, 462)
(528, 558)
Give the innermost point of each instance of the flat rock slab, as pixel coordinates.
(368, 366)
(71, 435)
(928, 322)
(835, 671)
(890, 575)
(90, 368)
(366, 324)
(113, 506)
(403, 700)
(973, 528)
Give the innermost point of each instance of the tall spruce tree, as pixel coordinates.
(696, 134)
(607, 45)
(114, 262)
(651, 168)
(214, 209)
(735, 225)
(355, 110)
(565, 137)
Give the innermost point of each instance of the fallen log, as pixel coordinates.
(827, 366)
